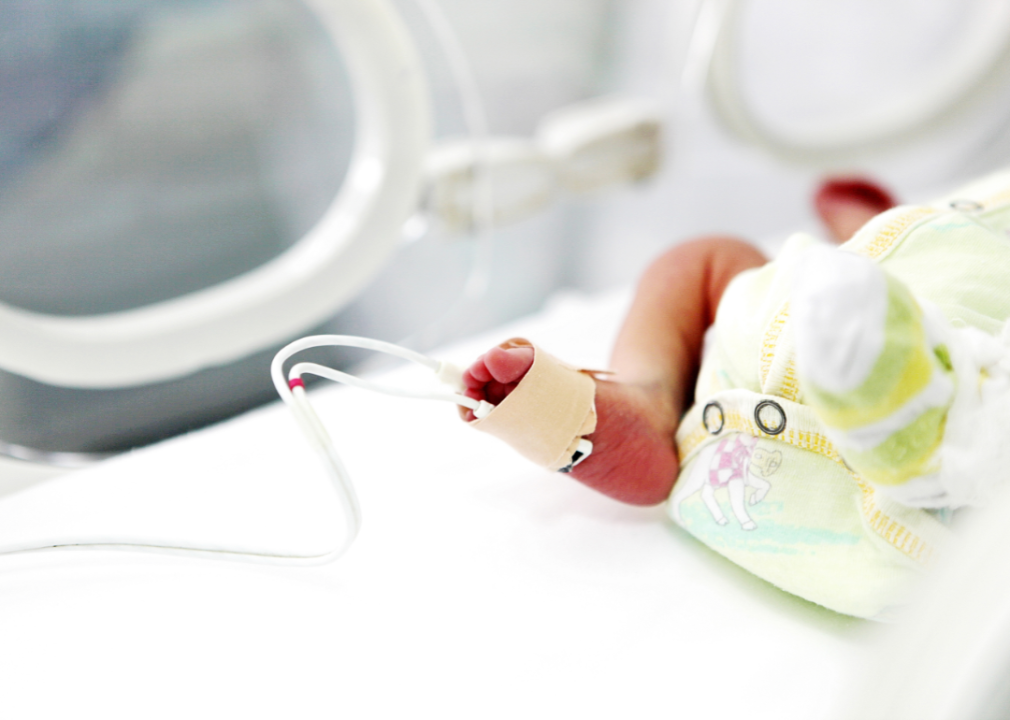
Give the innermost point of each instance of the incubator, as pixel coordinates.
(309, 179)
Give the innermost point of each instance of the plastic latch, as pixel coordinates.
(483, 409)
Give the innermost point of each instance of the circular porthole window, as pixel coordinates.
(160, 149)
(186, 185)
(822, 82)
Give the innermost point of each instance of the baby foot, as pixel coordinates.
(845, 205)
(495, 374)
(748, 525)
(633, 458)
(870, 368)
(839, 307)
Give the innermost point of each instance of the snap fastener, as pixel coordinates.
(770, 417)
(713, 418)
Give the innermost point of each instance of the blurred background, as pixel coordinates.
(152, 148)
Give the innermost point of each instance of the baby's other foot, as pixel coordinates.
(633, 458)
(846, 204)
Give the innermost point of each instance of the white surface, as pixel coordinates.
(948, 660)
(480, 587)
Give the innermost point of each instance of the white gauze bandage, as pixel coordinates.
(548, 413)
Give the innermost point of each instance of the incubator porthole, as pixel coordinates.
(187, 186)
(152, 150)
(770, 417)
(819, 82)
(713, 417)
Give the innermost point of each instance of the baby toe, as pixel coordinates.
(508, 365)
(496, 391)
(477, 374)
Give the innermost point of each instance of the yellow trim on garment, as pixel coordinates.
(770, 342)
(779, 378)
(878, 241)
(891, 530)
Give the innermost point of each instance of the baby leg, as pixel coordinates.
(873, 370)
(655, 358)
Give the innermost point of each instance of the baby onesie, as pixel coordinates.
(831, 492)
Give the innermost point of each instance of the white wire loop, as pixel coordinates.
(292, 392)
(294, 395)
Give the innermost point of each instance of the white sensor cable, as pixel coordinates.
(292, 392)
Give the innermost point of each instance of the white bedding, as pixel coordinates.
(480, 587)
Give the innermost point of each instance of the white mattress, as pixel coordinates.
(480, 587)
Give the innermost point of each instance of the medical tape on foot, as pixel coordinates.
(548, 413)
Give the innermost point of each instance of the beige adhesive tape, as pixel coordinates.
(548, 413)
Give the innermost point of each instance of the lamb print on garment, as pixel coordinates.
(737, 462)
